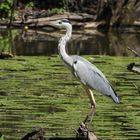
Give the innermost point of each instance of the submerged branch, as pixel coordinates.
(83, 133)
(132, 67)
(136, 87)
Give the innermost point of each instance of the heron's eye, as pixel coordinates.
(60, 22)
(75, 62)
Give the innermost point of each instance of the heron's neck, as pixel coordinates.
(62, 44)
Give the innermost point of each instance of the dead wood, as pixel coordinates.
(35, 135)
(133, 68)
(82, 133)
(134, 52)
(137, 23)
(70, 138)
(78, 20)
(4, 55)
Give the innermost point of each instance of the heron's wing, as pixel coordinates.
(92, 77)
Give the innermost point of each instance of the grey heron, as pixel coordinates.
(87, 73)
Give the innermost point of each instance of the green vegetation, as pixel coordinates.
(6, 42)
(5, 8)
(7, 5)
(56, 10)
(2, 137)
(40, 92)
(29, 5)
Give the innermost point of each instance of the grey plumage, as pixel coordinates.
(88, 74)
(92, 77)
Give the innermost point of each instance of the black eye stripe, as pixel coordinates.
(65, 20)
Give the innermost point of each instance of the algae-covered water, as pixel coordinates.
(40, 92)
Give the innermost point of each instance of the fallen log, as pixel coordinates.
(4, 55)
(81, 20)
(35, 135)
(137, 23)
(72, 138)
(133, 68)
(82, 133)
(81, 17)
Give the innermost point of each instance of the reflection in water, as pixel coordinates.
(44, 43)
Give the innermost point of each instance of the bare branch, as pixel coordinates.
(134, 52)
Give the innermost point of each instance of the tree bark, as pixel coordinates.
(12, 12)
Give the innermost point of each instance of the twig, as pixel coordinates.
(133, 51)
(137, 88)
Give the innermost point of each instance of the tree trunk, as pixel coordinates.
(12, 12)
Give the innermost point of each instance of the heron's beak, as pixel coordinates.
(54, 24)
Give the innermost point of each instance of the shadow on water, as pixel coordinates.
(37, 91)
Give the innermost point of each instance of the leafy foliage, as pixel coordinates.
(29, 5)
(5, 7)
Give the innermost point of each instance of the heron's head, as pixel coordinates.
(62, 24)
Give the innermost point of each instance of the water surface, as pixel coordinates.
(37, 90)
(35, 43)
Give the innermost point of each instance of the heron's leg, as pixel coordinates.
(93, 105)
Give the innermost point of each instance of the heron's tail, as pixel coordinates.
(115, 97)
